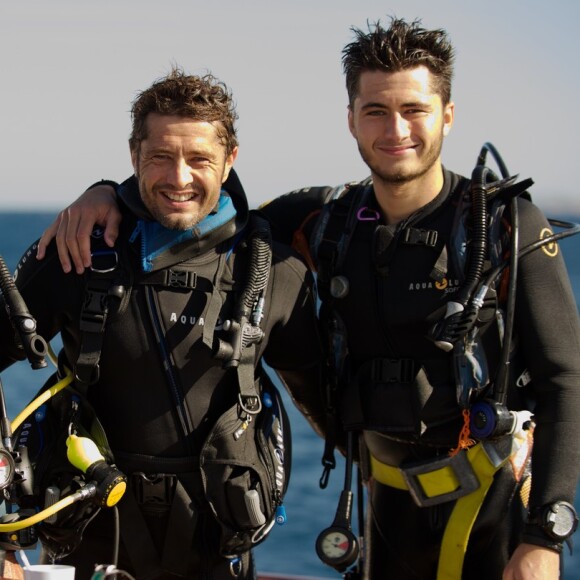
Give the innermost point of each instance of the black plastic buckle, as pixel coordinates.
(181, 279)
(420, 237)
(157, 488)
(462, 469)
(94, 309)
(393, 370)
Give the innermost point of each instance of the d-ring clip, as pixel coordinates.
(372, 215)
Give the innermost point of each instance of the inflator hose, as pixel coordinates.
(259, 269)
(479, 236)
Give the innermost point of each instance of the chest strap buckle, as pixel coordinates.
(393, 370)
(419, 237)
(157, 489)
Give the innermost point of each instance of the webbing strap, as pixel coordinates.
(180, 532)
(178, 539)
(463, 516)
(443, 481)
(92, 326)
(215, 303)
(137, 540)
(333, 233)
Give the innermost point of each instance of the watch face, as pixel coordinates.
(334, 545)
(563, 519)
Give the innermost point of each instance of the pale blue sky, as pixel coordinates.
(71, 68)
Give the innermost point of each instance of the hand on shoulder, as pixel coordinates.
(73, 226)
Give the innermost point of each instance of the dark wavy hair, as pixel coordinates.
(201, 98)
(402, 46)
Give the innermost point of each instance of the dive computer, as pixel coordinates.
(557, 520)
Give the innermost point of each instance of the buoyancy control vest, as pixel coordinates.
(349, 208)
(244, 462)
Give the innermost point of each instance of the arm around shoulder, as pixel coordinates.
(73, 226)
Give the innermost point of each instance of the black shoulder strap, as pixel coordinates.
(329, 244)
(103, 283)
(243, 330)
(334, 229)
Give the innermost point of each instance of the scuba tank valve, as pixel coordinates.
(109, 481)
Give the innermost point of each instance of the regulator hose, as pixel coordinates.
(244, 329)
(260, 242)
(479, 232)
(34, 345)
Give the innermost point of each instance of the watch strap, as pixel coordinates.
(535, 534)
(539, 532)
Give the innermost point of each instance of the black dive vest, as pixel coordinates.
(393, 378)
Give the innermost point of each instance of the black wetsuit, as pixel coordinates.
(392, 304)
(160, 390)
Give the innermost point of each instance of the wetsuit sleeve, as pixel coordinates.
(294, 348)
(51, 297)
(289, 212)
(548, 330)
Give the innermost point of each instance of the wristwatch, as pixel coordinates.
(557, 520)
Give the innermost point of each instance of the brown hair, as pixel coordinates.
(202, 98)
(401, 46)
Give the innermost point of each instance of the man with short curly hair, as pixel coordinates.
(167, 337)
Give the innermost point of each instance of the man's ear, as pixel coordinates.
(448, 117)
(230, 160)
(351, 127)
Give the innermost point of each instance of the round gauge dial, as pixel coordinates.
(337, 546)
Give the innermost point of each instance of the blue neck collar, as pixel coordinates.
(157, 239)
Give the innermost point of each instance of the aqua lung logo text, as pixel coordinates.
(446, 285)
(24, 433)
(189, 320)
(29, 254)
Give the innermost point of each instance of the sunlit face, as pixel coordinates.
(180, 168)
(399, 124)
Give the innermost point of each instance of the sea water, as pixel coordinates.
(290, 548)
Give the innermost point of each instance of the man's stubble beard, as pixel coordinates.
(397, 178)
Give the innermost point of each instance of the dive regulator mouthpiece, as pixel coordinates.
(110, 482)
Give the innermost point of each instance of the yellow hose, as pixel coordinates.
(28, 410)
(42, 515)
(51, 391)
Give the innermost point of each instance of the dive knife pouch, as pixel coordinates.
(245, 471)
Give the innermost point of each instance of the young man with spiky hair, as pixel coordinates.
(462, 386)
